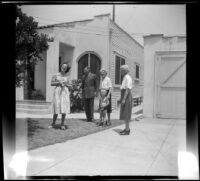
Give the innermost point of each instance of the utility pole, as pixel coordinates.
(114, 12)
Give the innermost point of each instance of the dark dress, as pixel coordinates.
(109, 107)
(126, 109)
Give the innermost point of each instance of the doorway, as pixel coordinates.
(91, 60)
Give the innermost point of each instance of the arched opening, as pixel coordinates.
(91, 60)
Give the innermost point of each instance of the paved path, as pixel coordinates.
(150, 149)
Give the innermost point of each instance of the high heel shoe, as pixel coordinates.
(126, 132)
(122, 131)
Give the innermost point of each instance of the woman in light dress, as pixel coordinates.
(61, 96)
(126, 99)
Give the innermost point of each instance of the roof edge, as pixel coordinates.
(166, 35)
(53, 25)
(126, 33)
(108, 14)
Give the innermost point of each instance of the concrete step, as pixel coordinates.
(33, 106)
(32, 102)
(34, 111)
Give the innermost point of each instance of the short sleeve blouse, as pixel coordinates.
(127, 82)
(106, 83)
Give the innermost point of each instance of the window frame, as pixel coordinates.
(121, 57)
(135, 78)
(59, 63)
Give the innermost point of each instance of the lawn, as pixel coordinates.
(40, 135)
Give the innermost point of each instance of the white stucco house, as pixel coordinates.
(98, 43)
(165, 76)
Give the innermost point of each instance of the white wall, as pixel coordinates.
(152, 44)
(92, 42)
(19, 93)
(51, 67)
(87, 40)
(126, 47)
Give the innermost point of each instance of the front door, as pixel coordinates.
(93, 62)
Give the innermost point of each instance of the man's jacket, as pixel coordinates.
(89, 85)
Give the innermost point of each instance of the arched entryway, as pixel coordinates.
(93, 61)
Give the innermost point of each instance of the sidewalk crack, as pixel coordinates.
(159, 150)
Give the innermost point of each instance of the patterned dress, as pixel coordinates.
(61, 99)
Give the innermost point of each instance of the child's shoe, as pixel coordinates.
(104, 124)
(99, 123)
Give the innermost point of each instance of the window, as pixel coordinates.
(137, 72)
(59, 68)
(119, 61)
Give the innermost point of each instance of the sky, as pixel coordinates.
(136, 19)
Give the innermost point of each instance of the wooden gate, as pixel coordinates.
(170, 85)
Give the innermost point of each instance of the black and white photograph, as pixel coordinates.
(100, 90)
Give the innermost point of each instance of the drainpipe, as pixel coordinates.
(114, 12)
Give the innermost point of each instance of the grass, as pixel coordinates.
(40, 135)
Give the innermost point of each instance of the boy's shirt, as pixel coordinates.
(103, 100)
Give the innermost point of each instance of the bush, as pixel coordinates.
(36, 95)
(76, 100)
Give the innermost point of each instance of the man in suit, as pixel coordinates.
(89, 90)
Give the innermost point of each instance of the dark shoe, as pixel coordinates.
(99, 124)
(51, 126)
(93, 120)
(64, 127)
(126, 132)
(108, 123)
(122, 131)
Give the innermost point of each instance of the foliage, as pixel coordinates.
(76, 100)
(36, 95)
(29, 45)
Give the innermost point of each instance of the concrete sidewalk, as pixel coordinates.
(151, 149)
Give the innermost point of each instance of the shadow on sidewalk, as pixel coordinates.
(118, 130)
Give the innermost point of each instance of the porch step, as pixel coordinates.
(33, 111)
(33, 102)
(33, 107)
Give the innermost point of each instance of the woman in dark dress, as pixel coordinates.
(126, 99)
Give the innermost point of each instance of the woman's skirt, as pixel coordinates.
(109, 107)
(126, 109)
(61, 101)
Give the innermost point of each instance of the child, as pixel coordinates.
(103, 103)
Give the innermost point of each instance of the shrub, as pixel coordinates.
(36, 94)
(76, 100)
